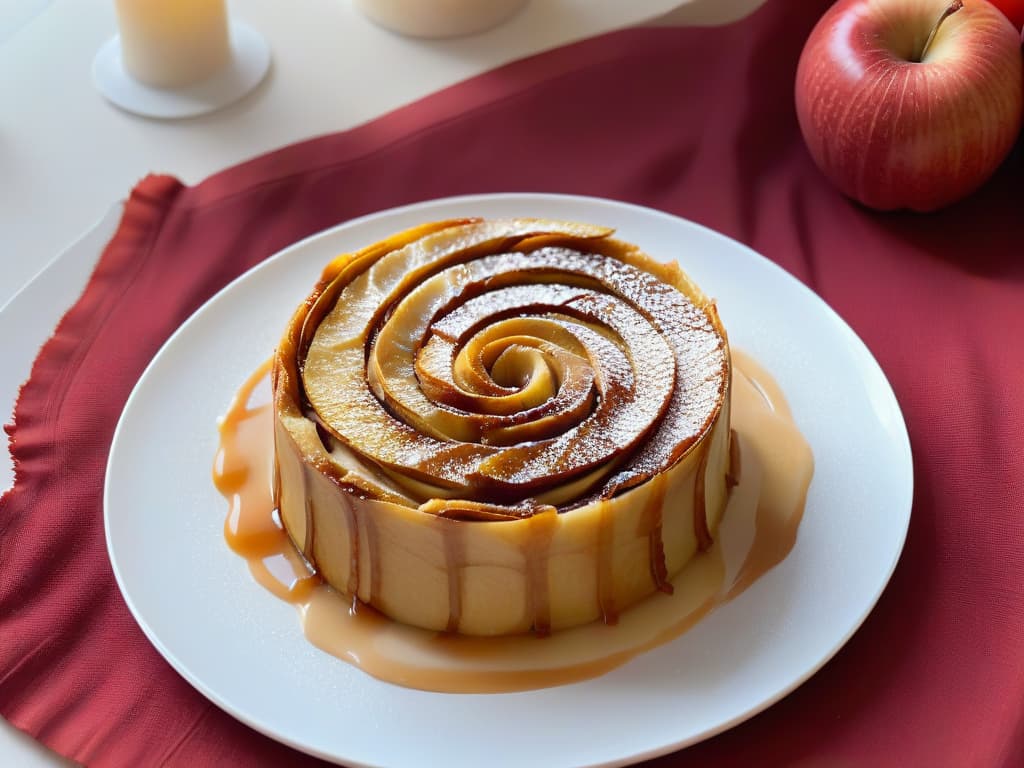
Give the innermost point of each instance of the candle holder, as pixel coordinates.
(439, 18)
(178, 59)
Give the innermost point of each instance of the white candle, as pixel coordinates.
(439, 18)
(172, 43)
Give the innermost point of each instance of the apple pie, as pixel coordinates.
(489, 427)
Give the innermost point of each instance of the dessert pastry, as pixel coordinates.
(491, 427)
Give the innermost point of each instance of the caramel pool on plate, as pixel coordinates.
(493, 429)
(757, 532)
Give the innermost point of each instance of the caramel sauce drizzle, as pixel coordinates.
(732, 478)
(700, 504)
(309, 545)
(542, 529)
(769, 497)
(776, 534)
(243, 473)
(353, 560)
(653, 515)
(605, 553)
(455, 556)
(373, 554)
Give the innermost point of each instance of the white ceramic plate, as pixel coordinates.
(244, 649)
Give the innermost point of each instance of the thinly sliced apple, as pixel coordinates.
(493, 426)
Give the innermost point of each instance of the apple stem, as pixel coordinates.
(955, 6)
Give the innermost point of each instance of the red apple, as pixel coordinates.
(910, 103)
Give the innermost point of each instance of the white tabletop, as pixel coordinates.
(66, 154)
(67, 157)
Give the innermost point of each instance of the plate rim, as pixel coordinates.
(898, 427)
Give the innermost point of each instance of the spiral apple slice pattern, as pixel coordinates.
(495, 371)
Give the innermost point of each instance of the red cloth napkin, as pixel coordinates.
(696, 122)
